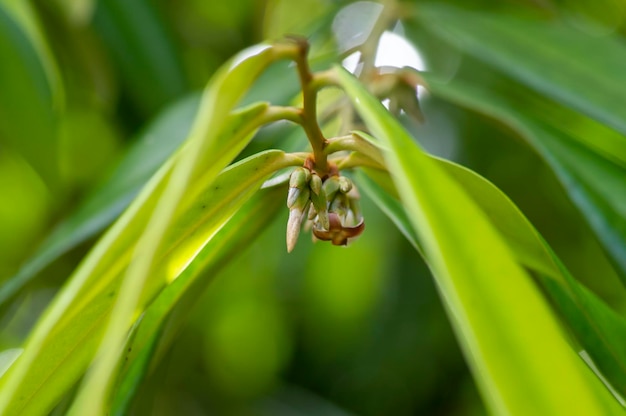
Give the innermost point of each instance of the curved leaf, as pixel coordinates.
(597, 328)
(29, 97)
(201, 158)
(143, 51)
(514, 345)
(96, 283)
(594, 182)
(109, 199)
(582, 71)
(64, 347)
(149, 339)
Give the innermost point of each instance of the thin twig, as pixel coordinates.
(309, 109)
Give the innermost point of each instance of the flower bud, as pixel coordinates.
(299, 178)
(331, 187)
(298, 201)
(318, 198)
(345, 184)
(293, 228)
(340, 205)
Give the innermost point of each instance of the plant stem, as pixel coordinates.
(277, 113)
(309, 110)
(355, 143)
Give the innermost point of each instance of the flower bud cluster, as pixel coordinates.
(329, 206)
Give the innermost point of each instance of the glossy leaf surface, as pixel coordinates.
(456, 236)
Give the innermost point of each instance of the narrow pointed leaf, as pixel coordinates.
(580, 70)
(112, 196)
(203, 156)
(143, 51)
(594, 181)
(596, 327)
(149, 340)
(30, 99)
(60, 350)
(514, 345)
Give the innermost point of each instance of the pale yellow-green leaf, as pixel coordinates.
(65, 339)
(513, 342)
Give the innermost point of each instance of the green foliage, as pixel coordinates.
(143, 223)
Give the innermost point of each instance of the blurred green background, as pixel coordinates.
(322, 331)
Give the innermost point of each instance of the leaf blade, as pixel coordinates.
(473, 292)
(102, 206)
(96, 278)
(548, 56)
(148, 341)
(592, 180)
(28, 92)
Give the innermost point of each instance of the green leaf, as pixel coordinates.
(143, 50)
(514, 345)
(159, 325)
(379, 187)
(582, 71)
(26, 17)
(201, 158)
(30, 97)
(110, 198)
(7, 357)
(78, 12)
(598, 329)
(155, 144)
(594, 181)
(107, 276)
(59, 351)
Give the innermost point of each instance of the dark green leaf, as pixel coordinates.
(582, 71)
(143, 51)
(110, 198)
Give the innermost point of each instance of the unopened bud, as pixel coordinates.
(299, 178)
(298, 182)
(353, 205)
(298, 198)
(331, 187)
(318, 198)
(339, 205)
(298, 201)
(345, 184)
(293, 228)
(316, 184)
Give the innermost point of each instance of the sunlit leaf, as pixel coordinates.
(149, 341)
(597, 328)
(202, 158)
(492, 301)
(61, 349)
(594, 182)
